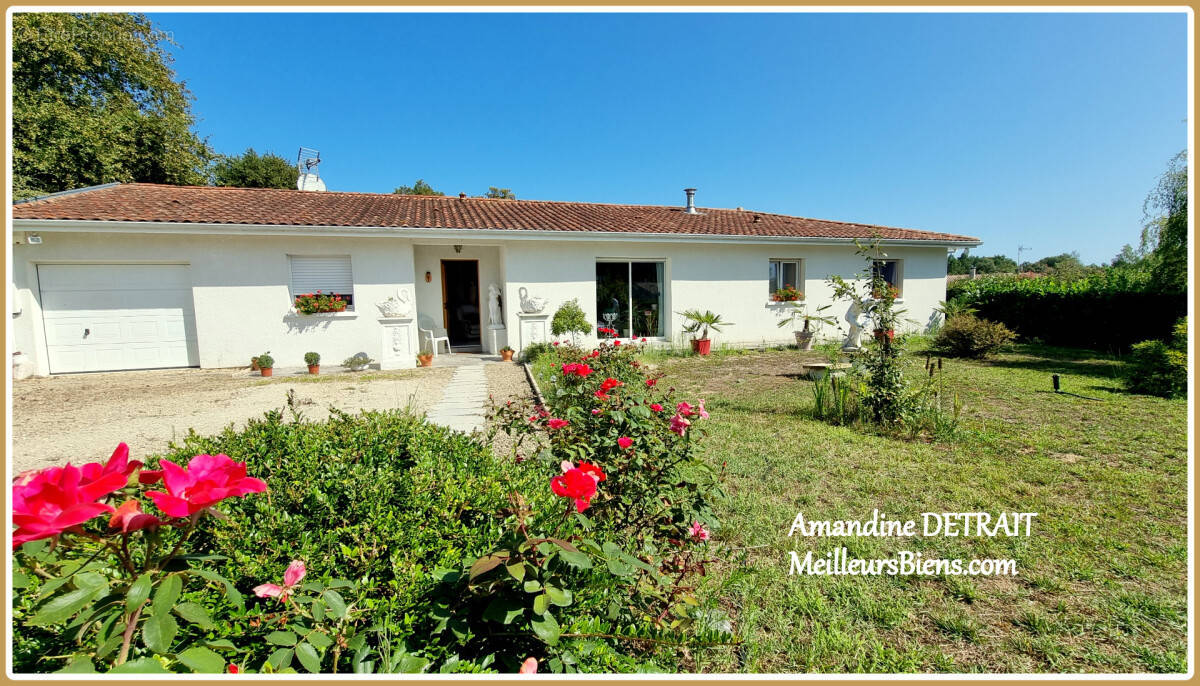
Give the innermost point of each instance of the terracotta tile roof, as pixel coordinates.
(205, 204)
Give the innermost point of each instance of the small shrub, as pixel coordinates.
(311, 359)
(970, 336)
(357, 361)
(1159, 368)
(533, 351)
(570, 319)
(265, 361)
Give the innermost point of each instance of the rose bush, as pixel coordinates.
(577, 555)
(114, 585)
(634, 526)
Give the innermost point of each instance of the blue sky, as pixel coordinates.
(1046, 130)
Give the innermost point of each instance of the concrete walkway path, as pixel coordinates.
(462, 405)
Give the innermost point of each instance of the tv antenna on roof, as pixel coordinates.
(307, 162)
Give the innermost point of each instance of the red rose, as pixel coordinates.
(48, 502)
(206, 481)
(577, 485)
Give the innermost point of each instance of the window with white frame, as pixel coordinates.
(785, 274)
(326, 273)
(629, 297)
(892, 273)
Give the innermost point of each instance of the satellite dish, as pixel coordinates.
(307, 161)
(310, 182)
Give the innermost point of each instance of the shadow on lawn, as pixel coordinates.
(1059, 361)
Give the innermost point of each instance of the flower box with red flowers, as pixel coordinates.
(787, 294)
(319, 303)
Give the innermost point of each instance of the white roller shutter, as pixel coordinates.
(325, 274)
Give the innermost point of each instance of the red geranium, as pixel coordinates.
(206, 481)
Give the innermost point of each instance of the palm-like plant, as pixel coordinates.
(954, 308)
(799, 312)
(697, 320)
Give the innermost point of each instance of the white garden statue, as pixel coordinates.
(858, 320)
(497, 320)
(530, 305)
(396, 306)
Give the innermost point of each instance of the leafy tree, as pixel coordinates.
(418, 188)
(251, 170)
(982, 265)
(94, 101)
(1068, 261)
(1165, 231)
(1129, 257)
(500, 193)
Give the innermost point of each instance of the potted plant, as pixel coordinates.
(425, 357)
(787, 294)
(698, 321)
(799, 312)
(506, 353)
(315, 303)
(313, 360)
(357, 362)
(265, 364)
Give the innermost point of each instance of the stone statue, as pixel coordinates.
(399, 305)
(858, 320)
(530, 305)
(494, 306)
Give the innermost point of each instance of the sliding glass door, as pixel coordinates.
(629, 297)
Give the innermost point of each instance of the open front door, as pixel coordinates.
(461, 313)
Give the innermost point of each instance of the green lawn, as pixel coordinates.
(1102, 579)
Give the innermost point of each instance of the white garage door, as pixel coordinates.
(102, 317)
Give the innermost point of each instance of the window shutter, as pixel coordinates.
(325, 274)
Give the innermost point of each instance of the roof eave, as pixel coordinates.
(193, 228)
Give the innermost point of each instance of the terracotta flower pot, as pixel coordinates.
(425, 360)
(702, 346)
(506, 355)
(265, 371)
(314, 369)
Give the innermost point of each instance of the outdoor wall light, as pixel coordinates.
(428, 277)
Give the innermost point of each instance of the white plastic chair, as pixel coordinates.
(436, 335)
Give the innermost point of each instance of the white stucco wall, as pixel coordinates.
(728, 279)
(428, 258)
(240, 290)
(243, 304)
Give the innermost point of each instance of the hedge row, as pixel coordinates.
(1097, 320)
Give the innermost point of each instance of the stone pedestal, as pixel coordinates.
(533, 329)
(497, 337)
(399, 349)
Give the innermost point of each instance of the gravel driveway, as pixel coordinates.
(82, 417)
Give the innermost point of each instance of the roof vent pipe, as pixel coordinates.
(691, 201)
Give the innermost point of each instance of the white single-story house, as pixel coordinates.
(138, 276)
